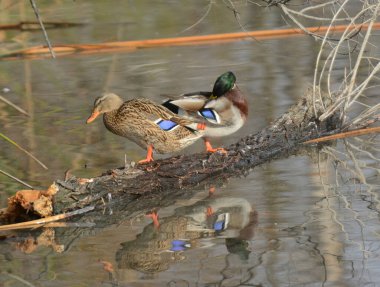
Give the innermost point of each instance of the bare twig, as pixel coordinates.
(201, 19)
(22, 149)
(35, 9)
(8, 102)
(31, 25)
(353, 43)
(18, 278)
(16, 179)
(353, 133)
(42, 221)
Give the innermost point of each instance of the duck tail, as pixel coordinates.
(171, 107)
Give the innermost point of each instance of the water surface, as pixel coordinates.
(292, 222)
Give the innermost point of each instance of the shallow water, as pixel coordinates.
(292, 222)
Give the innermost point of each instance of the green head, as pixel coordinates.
(223, 84)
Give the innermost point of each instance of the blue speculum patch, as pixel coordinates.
(219, 225)
(166, 125)
(178, 245)
(208, 114)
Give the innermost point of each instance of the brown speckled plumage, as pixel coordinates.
(136, 120)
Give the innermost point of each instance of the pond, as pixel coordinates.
(300, 221)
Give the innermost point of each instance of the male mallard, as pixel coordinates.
(149, 125)
(218, 113)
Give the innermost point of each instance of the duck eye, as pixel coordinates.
(97, 102)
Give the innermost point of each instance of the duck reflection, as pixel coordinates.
(190, 227)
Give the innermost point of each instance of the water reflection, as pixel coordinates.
(319, 218)
(316, 226)
(156, 248)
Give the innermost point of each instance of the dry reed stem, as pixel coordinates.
(32, 26)
(22, 149)
(354, 42)
(16, 179)
(42, 221)
(35, 9)
(353, 133)
(178, 41)
(16, 107)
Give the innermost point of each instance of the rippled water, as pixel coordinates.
(292, 222)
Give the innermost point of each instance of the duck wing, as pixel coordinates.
(191, 102)
(158, 114)
(219, 105)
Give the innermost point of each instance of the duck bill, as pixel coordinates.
(92, 117)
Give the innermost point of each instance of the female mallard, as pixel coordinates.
(218, 113)
(149, 125)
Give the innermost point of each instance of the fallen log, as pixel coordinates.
(179, 174)
(138, 188)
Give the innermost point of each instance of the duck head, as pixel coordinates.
(223, 84)
(104, 104)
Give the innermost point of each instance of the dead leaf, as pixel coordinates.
(36, 201)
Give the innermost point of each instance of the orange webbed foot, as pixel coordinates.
(149, 156)
(209, 211)
(209, 148)
(147, 160)
(218, 149)
(154, 216)
(211, 190)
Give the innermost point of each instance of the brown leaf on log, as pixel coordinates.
(37, 202)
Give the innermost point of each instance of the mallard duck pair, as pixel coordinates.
(176, 123)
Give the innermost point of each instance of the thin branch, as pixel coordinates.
(18, 278)
(343, 162)
(16, 179)
(24, 150)
(8, 102)
(345, 135)
(42, 221)
(318, 6)
(35, 9)
(361, 52)
(299, 13)
(201, 19)
(324, 42)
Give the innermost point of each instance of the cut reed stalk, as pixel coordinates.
(38, 51)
